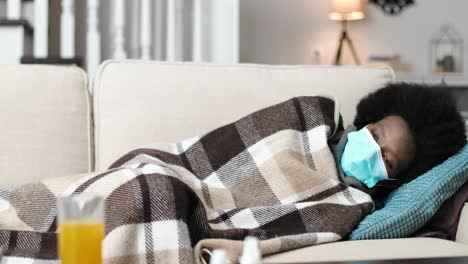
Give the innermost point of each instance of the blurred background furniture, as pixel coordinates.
(173, 30)
(344, 11)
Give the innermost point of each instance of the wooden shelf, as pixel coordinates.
(51, 60)
(450, 79)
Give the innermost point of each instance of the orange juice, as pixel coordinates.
(81, 242)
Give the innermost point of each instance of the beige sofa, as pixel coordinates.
(45, 114)
(139, 103)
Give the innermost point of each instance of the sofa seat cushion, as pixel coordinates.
(404, 248)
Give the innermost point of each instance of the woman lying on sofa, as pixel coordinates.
(272, 174)
(399, 133)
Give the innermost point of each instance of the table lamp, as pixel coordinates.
(345, 10)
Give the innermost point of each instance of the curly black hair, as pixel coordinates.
(431, 114)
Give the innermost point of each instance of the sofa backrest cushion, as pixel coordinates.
(45, 116)
(137, 103)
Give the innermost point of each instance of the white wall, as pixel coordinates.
(286, 31)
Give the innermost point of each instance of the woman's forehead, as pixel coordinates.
(396, 131)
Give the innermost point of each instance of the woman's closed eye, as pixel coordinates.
(384, 155)
(387, 161)
(374, 135)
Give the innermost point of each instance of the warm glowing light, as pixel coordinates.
(346, 10)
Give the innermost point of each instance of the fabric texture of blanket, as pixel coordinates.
(270, 175)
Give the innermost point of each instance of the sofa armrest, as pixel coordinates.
(462, 231)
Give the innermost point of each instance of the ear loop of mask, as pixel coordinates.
(381, 161)
(386, 183)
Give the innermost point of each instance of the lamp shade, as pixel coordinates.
(346, 10)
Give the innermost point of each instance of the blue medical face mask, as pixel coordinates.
(362, 158)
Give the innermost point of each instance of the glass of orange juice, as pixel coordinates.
(81, 229)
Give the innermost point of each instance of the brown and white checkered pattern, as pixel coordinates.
(269, 175)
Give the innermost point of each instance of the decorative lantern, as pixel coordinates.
(447, 50)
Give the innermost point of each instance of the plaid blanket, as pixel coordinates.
(270, 175)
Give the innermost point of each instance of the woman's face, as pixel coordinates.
(396, 142)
